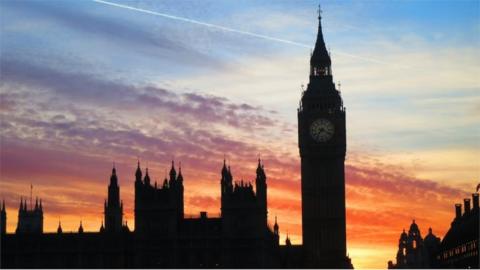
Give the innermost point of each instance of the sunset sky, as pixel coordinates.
(85, 84)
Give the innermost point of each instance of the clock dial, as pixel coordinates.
(322, 130)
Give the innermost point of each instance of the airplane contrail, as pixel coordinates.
(219, 27)
(232, 30)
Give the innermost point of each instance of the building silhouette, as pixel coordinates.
(322, 143)
(3, 219)
(240, 237)
(30, 220)
(163, 238)
(458, 248)
(460, 245)
(415, 251)
(113, 208)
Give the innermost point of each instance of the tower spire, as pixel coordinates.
(320, 61)
(173, 173)
(138, 172)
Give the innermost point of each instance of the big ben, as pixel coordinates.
(322, 143)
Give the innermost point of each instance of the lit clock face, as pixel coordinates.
(322, 130)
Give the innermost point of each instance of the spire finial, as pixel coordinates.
(319, 11)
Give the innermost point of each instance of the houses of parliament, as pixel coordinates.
(240, 238)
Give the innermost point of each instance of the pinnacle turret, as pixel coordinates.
(113, 177)
(138, 173)
(80, 229)
(59, 229)
(146, 180)
(173, 173)
(180, 176)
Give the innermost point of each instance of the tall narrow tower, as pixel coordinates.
(322, 143)
(261, 187)
(3, 219)
(113, 206)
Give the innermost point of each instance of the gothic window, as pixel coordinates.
(414, 244)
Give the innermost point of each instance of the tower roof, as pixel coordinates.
(413, 227)
(59, 229)
(147, 177)
(80, 229)
(180, 176)
(113, 177)
(172, 170)
(320, 56)
(138, 172)
(224, 168)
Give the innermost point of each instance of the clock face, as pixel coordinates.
(322, 130)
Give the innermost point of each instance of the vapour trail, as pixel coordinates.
(232, 30)
(219, 27)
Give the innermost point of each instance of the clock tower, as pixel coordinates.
(322, 143)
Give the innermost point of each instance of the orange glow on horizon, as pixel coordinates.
(368, 227)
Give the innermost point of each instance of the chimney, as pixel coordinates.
(203, 215)
(458, 210)
(467, 205)
(475, 200)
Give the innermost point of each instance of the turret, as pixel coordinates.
(275, 227)
(113, 205)
(80, 229)
(225, 184)
(179, 192)
(3, 219)
(146, 180)
(261, 187)
(173, 174)
(138, 173)
(180, 176)
(102, 228)
(20, 209)
(59, 229)
(276, 231)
